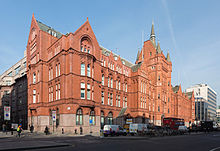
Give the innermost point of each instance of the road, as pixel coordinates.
(193, 142)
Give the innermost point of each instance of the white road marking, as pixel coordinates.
(214, 149)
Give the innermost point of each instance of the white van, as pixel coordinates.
(139, 129)
(111, 130)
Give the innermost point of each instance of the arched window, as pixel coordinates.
(82, 85)
(34, 78)
(92, 118)
(103, 79)
(86, 45)
(88, 91)
(111, 82)
(88, 70)
(119, 85)
(50, 117)
(110, 118)
(82, 69)
(102, 119)
(79, 117)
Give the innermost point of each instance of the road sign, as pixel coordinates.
(54, 116)
(7, 110)
(90, 121)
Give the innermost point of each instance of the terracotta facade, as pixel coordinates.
(88, 85)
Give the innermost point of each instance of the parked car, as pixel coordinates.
(113, 130)
(182, 129)
(138, 129)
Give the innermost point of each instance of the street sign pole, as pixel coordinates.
(90, 123)
(53, 118)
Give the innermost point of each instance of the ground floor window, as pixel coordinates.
(50, 118)
(102, 119)
(79, 117)
(110, 118)
(92, 118)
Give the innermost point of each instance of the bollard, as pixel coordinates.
(81, 131)
(101, 134)
(62, 131)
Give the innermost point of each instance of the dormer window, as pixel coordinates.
(49, 31)
(123, 62)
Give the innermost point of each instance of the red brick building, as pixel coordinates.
(89, 86)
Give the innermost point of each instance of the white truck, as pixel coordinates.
(113, 130)
(138, 129)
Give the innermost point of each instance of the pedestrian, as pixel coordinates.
(19, 129)
(46, 131)
(31, 128)
(3, 127)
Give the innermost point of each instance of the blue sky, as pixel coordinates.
(188, 29)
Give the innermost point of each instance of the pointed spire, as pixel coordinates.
(168, 57)
(33, 15)
(138, 54)
(158, 48)
(152, 29)
(152, 35)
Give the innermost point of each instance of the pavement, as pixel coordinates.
(27, 133)
(40, 141)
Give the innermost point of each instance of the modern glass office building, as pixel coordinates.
(205, 97)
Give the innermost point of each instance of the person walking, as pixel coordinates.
(31, 128)
(19, 129)
(46, 131)
(4, 128)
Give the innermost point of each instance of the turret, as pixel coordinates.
(158, 48)
(152, 35)
(168, 57)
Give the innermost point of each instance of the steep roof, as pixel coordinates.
(48, 29)
(135, 67)
(107, 52)
(175, 89)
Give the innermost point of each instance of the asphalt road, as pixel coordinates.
(195, 142)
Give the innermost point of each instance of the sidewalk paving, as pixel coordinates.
(24, 145)
(27, 133)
